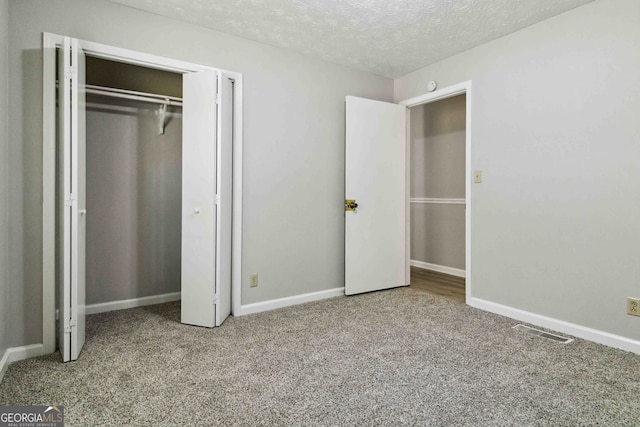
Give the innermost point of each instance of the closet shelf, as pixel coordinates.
(133, 95)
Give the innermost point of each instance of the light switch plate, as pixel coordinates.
(477, 177)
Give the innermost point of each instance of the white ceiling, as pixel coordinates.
(386, 37)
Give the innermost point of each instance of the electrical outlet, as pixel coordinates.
(253, 280)
(633, 306)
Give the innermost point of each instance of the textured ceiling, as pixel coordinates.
(385, 37)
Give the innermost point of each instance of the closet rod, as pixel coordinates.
(133, 95)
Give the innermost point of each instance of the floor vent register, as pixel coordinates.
(538, 332)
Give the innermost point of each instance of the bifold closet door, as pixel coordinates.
(224, 199)
(72, 127)
(201, 216)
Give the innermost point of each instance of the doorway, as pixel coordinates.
(439, 213)
(437, 135)
(212, 124)
(377, 196)
(134, 177)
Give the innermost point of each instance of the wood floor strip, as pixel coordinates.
(438, 276)
(445, 285)
(450, 289)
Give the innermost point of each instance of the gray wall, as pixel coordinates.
(437, 234)
(134, 177)
(437, 144)
(555, 131)
(5, 320)
(293, 146)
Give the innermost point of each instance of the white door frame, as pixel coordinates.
(49, 268)
(444, 93)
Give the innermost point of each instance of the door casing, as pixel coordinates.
(49, 267)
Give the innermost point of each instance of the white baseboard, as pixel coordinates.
(439, 268)
(286, 302)
(131, 303)
(584, 332)
(15, 354)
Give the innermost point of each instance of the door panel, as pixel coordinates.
(64, 138)
(71, 101)
(198, 198)
(376, 178)
(79, 213)
(224, 191)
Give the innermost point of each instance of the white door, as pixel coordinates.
(225, 201)
(203, 183)
(375, 177)
(72, 100)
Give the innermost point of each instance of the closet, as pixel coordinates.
(437, 195)
(143, 200)
(133, 182)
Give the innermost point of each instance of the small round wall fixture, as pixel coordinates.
(432, 85)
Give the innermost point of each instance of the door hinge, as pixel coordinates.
(218, 98)
(70, 199)
(71, 73)
(72, 324)
(217, 199)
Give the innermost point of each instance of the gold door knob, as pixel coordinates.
(350, 205)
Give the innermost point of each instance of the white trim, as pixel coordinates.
(113, 53)
(49, 43)
(15, 354)
(467, 192)
(444, 93)
(236, 234)
(273, 304)
(579, 331)
(131, 303)
(439, 268)
(407, 205)
(437, 201)
(49, 249)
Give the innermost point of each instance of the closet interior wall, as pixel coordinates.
(134, 178)
(437, 182)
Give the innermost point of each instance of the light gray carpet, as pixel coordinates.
(398, 357)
